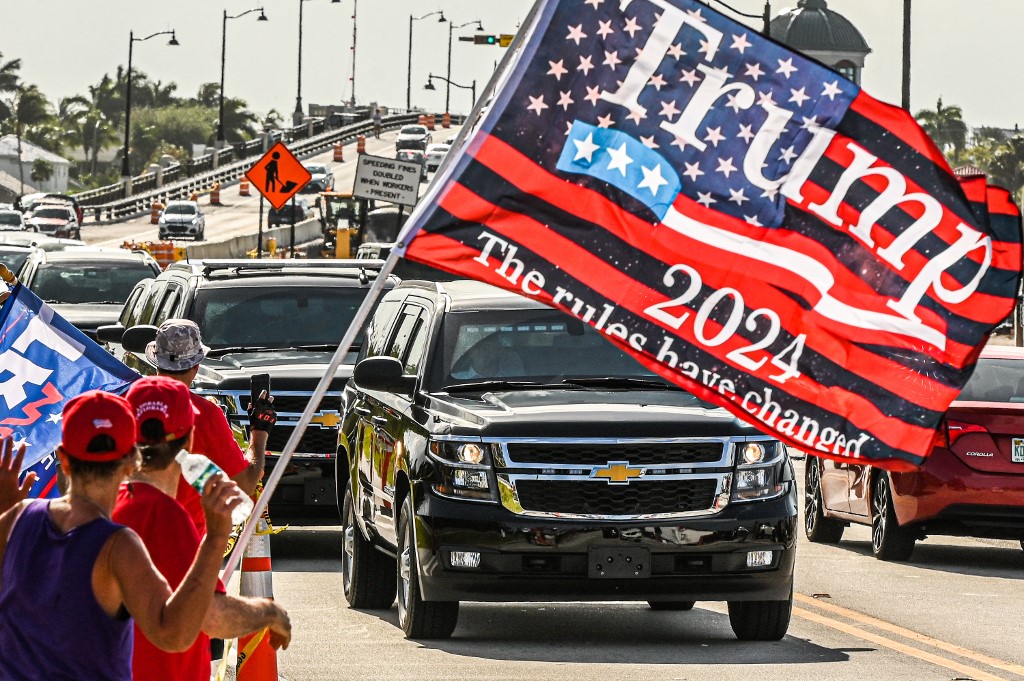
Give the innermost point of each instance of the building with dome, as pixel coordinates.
(822, 34)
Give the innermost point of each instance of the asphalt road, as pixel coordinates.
(951, 613)
(239, 215)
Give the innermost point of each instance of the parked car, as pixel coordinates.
(436, 154)
(281, 317)
(494, 449)
(55, 219)
(87, 286)
(182, 219)
(322, 180)
(14, 257)
(971, 484)
(12, 221)
(26, 238)
(414, 156)
(413, 137)
(299, 208)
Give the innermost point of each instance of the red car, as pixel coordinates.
(971, 485)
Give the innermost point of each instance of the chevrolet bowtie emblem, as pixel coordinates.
(327, 419)
(617, 473)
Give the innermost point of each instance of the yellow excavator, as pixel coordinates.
(348, 221)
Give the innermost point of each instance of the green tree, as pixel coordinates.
(42, 170)
(27, 108)
(945, 125)
(1003, 160)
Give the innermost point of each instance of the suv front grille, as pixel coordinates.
(319, 440)
(599, 498)
(314, 441)
(639, 454)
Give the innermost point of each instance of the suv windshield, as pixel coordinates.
(541, 346)
(180, 209)
(275, 317)
(60, 213)
(10, 218)
(316, 170)
(88, 281)
(413, 130)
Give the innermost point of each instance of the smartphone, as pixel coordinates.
(259, 384)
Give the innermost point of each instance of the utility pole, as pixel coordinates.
(355, 23)
(906, 54)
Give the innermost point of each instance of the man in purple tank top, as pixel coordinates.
(71, 581)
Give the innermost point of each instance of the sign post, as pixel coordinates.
(387, 179)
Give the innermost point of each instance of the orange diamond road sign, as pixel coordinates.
(278, 175)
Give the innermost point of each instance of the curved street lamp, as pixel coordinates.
(298, 115)
(451, 29)
(223, 53)
(408, 79)
(125, 165)
(472, 87)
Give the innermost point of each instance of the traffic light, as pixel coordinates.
(485, 40)
(505, 39)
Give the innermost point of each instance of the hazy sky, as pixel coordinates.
(966, 52)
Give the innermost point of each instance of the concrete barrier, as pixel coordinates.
(239, 246)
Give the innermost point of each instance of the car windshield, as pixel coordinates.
(413, 130)
(995, 380)
(541, 346)
(13, 259)
(317, 170)
(88, 281)
(9, 218)
(275, 317)
(60, 213)
(181, 209)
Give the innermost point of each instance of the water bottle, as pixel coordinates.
(197, 469)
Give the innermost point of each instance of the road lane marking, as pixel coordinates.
(882, 625)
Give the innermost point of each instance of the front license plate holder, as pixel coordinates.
(1017, 450)
(613, 562)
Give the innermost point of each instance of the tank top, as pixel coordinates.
(51, 626)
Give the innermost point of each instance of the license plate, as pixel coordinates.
(619, 563)
(1017, 453)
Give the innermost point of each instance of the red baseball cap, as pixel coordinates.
(97, 413)
(165, 399)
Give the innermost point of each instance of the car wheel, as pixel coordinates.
(418, 618)
(889, 541)
(365, 572)
(671, 605)
(817, 527)
(760, 620)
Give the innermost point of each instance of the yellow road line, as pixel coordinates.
(973, 672)
(912, 635)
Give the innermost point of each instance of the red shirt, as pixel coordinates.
(213, 438)
(172, 542)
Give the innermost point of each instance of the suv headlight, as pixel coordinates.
(464, 470)
(760, 470)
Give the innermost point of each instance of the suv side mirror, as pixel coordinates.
(385, 374)
(111, 333)
(137, 338)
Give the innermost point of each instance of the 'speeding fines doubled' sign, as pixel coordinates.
(387, 179)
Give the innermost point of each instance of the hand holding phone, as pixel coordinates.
(261, 404)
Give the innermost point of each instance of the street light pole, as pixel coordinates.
(408, 79)
(765, 16)
(297, 115)
(906, 54)
(126, 172)
(448, 88)
(471, 87)
(355, 33)
(223, 55)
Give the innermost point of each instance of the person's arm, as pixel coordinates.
(256, 455)
(11, 492)
(235, 616)
(172, 620)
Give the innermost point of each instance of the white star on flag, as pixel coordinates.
(740, 43)
(788, 155)
(557, 69)
(595, 3)
(680, 142)
(746, 133)
(809, 123)
(612, 59)
(620, 159)
(568, 128)
(636, 115)
(585, 65)
(752, 220)
(831, 90)
(652, 179)
(54, 418)
(669, 109)
(695, 13)
(715, 136)
(658, 81)
(705, 199)
(565, 101)
(632, 27)
(605, 121)
(733, 102)
(706, 48)
(690, 77)
(537, 104)
(585, 148)
(606, 28)
(786, 67)
(799, 96)
(765, 99)
(754, 71)
(22, 443)
(770, 193)
(649, 142)
(593, 95)
(737, 197)
(576, 34)
(693, 170)
(726, 167)
(676, 51)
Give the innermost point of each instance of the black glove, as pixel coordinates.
(262, 415)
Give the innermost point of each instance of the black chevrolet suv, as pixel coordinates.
(281, 317)
(494, 449)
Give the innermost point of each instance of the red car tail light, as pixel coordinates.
(957, 429)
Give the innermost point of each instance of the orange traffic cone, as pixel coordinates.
(257, 661)
(243, 188)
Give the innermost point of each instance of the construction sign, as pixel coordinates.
(278, 176)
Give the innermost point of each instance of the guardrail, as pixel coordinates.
(107, 205)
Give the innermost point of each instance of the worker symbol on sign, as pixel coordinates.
(278, 176)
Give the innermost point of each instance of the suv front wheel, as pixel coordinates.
(365, 571)
(760, 620)
(418, 618)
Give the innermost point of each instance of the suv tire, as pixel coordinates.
(672, 605)
(419, 619)
(889, 541)
(365, 571)
(760, 620)
(818, 528)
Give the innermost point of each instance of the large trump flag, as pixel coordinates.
(744, 221)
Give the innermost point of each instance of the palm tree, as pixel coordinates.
(945, 125)
(240, 124)
(42, 170)
(28, 108)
